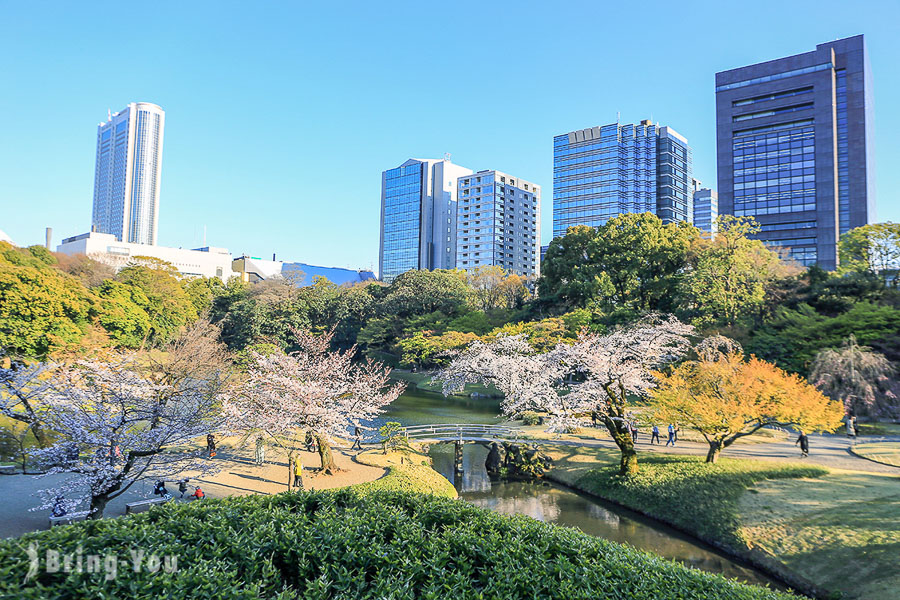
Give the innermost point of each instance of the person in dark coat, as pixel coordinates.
(310, 441)
(182, 487)
(211, 444)
(803, 440)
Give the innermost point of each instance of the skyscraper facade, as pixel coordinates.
(127, 174)
(602, 172)
(498, 223)
(418, 216)
(795, 147)
(706, 209)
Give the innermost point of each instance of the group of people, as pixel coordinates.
(160, 490)
(654, 433)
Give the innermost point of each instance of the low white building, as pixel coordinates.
(104, 248)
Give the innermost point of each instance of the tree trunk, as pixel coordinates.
(98, 504)
(325, 455)
(715, 449)
(621, 435)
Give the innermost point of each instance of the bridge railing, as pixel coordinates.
(460, 431)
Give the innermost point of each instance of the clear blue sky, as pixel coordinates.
(280, 117)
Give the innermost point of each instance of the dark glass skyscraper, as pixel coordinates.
(602, 172)
(796, 148)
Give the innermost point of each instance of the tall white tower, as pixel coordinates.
(127, 175)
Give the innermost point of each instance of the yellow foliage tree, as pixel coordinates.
(725, 398)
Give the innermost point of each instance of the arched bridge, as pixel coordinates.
(461, 432)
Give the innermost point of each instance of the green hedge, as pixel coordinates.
(689, 493)
(345, 545)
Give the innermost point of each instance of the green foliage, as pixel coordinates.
(122, 315)
(167, 303)
(392, 436)
(872, 249)
(344, 545)
(632, 261)
(793, 337)
(201, 291)
(42, 309)
(530, 418)
(688, 493)
(425, 350)
(422, 292)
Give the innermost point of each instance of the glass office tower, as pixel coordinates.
(418, 216)
(706, 209)
(127, 174)
(795, 147)
(602, 172)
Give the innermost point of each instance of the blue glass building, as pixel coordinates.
(418, 216)
(795, 147)
(706, 209)
(602, 172)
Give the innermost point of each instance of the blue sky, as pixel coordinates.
(280, 117)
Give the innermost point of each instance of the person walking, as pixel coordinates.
(671, 439)
(655, 435)
(260, 451)
(298, 473)
(357, 439)
(310, 441)
(634, 431)
(182, 487)
(211, 445)
(675, 434)
(803, 440)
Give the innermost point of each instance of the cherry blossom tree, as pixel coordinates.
(597, 373)
(118, 426)
(314, 389)
(21, 385)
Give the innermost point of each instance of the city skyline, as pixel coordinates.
(260, 188)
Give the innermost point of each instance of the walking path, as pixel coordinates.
(239, 477)
(826, 450)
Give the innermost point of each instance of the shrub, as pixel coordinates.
(343, 545)
(530, 418)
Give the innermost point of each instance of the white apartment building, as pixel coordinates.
(127, 174)
(105, 248)
(498, 223)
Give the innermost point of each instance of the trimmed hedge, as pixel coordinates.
(346, 545)
(414, 474)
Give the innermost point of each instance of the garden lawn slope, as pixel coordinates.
(345, 545)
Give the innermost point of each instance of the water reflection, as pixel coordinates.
(561, 506)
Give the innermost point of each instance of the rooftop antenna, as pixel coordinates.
(204, 236)
(618, 116)
(108, 115)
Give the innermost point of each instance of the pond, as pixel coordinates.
(549, 502)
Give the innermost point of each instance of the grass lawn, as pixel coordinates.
(883, 452)
(538, 432)
(421, 380)
(841, 530)
(838, 529)
(879, 429)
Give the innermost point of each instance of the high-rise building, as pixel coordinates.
(418, 216)
(602, 172)
(498, 223)
(706, 209)
(796, 148)
(127, 174)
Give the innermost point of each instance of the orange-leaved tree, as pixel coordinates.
(726, 397)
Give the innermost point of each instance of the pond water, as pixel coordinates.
(549, 502)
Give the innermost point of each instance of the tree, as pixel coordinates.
(872, 248)
(567, 272)
(42, 309)
(486, 283)
(313, 388)
(729, 274)
(89, 272)
(118, 426)
(121, 313)
(22, 385)
(422, 292)
(857, 378)
(597, 373)
(168, 305)
(726, 398)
